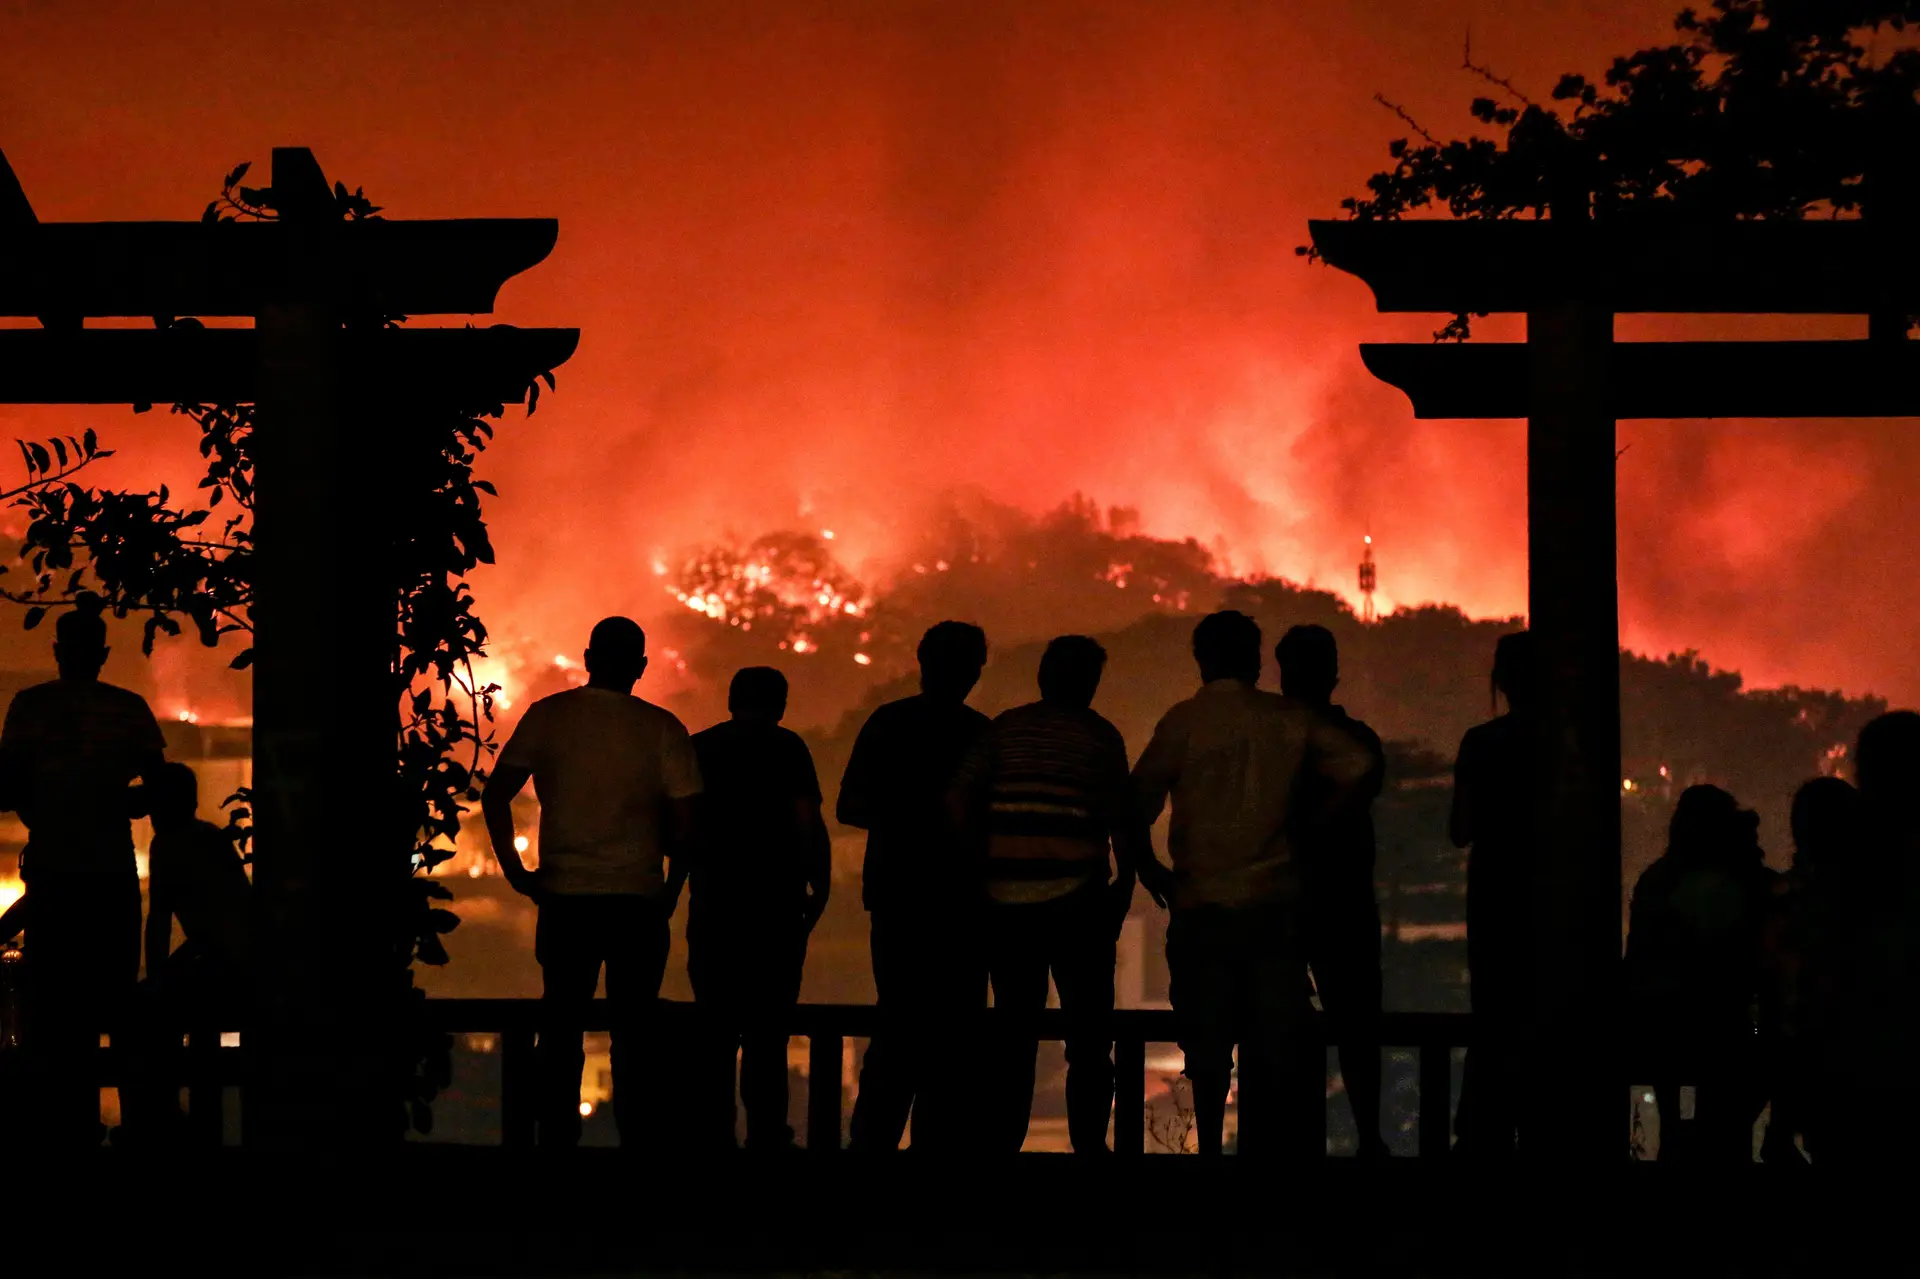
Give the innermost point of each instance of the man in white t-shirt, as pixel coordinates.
(616, 777)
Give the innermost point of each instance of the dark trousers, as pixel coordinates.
(194, 992)
(1342, 935)
(82, 957)
(577, 935)
(1237, 976)
(745, 966)
(1073, 938)
(1488, 1124)
(931, 987)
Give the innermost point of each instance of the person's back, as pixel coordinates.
(755, 779)
(604, 764)
(1055, 781)
(195, 872)
(1694, 940)
(1231, 757)
(80, 744)
(895, 787)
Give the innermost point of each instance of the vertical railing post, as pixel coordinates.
(824, 1087)
(519, 1091)
(206, 1088)
(1129, 1095)
(1436, 1100)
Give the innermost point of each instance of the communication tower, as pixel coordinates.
(1368, 579)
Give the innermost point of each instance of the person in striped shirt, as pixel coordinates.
(1047, 787)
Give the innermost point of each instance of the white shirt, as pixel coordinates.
(605, 765)
(78, 745)
(1230, 758)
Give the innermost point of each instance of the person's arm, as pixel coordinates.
(1132, 842)
(496, 805)
(816, 845)
(969, 786)
(159, 934)
(1460, 821)
(1350, 765)
(860, 787)
(1152, 782)
(680, 773)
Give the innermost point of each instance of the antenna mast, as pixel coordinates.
(1368, 579)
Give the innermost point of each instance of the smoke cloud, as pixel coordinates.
(832, 262)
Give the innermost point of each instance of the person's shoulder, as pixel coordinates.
(714, 734)
(658, 715)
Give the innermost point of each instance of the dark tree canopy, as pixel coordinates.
(1759, 109)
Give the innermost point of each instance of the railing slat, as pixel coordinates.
(518, 1087)
(1436, 1099)
(824, 1088)
(1130, 1096)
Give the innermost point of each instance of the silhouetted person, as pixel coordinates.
(1493, 813)
(1234, 760)
(1865, 962)
(760, 881)
(1339, 913)
(194, 875)
(921, 890)
(68, 755)
(616, 778)
(1047, 785)
(1826, 831)
(1694, 972)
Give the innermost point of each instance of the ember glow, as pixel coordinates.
(831, 262)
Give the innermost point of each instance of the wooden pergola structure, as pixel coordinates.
(1572, 382)
(339, 457)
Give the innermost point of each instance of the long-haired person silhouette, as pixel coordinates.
(1493, 806)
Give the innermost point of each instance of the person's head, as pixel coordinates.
(1070, 671)
(952, 655)
(173, 796)
(1709, 825)
(616, 653)
(1516, 670)
(1826, 813)
(1887, 757)
(1226, 645)
(758, 694)
(80, 640)
(1309, 663)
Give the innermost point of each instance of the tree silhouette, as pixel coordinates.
(1775, 109)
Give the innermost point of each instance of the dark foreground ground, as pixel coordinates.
(429, 1212)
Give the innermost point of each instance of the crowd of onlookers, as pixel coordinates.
(1002, 857)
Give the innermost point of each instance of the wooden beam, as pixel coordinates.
(1647, 265)
(222, 366)
(1667, 379)
(144, 269)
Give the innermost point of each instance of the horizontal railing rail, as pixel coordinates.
(207, 1069)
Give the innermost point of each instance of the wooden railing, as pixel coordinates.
(207, 1069)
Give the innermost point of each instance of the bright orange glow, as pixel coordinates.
(831, 261)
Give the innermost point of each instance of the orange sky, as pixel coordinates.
(829, 259)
